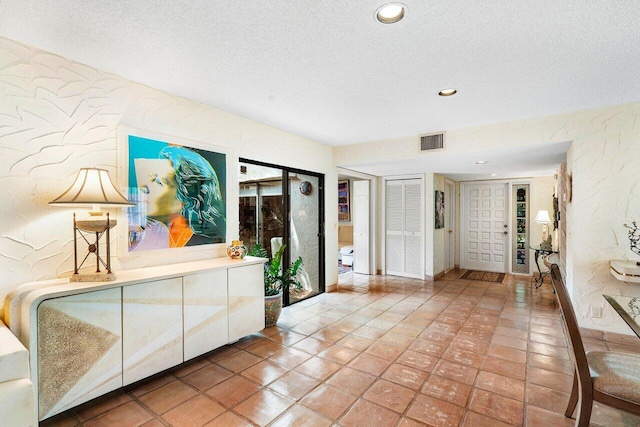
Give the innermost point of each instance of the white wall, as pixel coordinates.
(440, 234)
(541, 198)
(603, 159)
(57, 115)
(429, 230)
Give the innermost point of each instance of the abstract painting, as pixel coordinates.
(179, 192)
(439, 209)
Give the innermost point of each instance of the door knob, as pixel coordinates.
(505, 232)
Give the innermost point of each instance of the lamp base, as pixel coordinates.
(93, 277)
(95, 225)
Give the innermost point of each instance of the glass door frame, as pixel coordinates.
(286, 202)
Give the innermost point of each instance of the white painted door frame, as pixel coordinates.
(449, 224)
(361, 193)
(373, 191)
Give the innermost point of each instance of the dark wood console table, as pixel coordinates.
(541, 252)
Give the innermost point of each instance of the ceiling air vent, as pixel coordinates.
(432, 142)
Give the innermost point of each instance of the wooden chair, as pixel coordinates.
(606, 377)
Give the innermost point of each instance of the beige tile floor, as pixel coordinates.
(382, 351)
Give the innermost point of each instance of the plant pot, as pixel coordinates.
(272, 309)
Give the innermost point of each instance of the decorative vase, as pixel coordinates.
(236, 250)
(272, 309)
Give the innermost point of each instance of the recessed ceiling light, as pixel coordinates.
(390, 13)
(494, 174)
(448, 92)
(481, 162)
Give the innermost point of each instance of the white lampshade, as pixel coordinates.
(91, 187)
(542, 216)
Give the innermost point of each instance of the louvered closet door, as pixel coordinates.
(413, 228)
(395, 228)
(404, 231)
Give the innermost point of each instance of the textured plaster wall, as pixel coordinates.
(603, 160)
(57, 115)
(541, 198)
(304, 230)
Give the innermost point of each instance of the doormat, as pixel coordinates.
(485, 276)
(343, 268)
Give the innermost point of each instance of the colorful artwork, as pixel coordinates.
(179, 193)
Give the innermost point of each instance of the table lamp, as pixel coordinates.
(543, 218)
(92, 187)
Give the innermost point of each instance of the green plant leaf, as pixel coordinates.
(258, 251)
(275, 277)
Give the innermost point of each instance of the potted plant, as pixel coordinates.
(276, 279)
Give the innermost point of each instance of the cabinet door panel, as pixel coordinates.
(246, 301)
(205, 312)
(152, 328)
(79, 349)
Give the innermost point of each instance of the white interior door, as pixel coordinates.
(485, 227)
(404, 234)
(361, 227)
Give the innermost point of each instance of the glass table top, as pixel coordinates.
(539, 249)
(628, 308)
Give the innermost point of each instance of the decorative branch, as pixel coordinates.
(634, 237)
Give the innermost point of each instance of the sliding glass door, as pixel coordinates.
(279, 206)
(262, 215)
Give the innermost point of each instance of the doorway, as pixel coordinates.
(278, 206)
(357, 230)
(484, 237)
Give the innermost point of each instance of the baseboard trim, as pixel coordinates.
(434, 278)
(331, 288)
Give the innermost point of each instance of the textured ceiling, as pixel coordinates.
(329, 71)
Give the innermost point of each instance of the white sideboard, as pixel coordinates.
(206, 313)
(86, 339)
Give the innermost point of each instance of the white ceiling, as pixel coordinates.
(327, 70)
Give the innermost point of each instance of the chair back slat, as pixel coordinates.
(573, 331)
